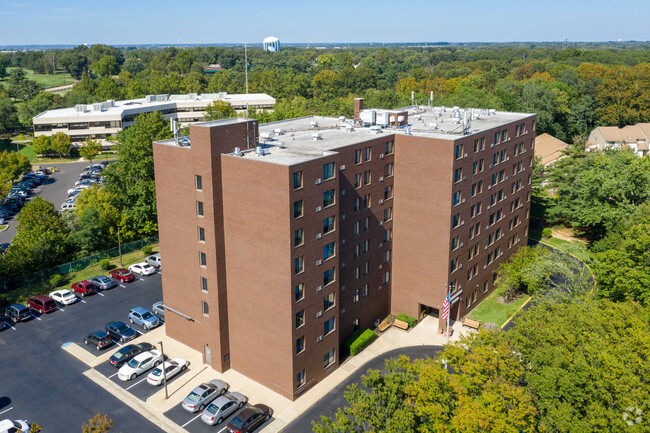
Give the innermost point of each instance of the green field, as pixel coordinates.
(47, 80)
(491, 311)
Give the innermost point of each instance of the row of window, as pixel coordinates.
(328, 327)
(328, 359)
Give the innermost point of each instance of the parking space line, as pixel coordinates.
(113, 375)
(140, 381)
(6, 410)
(11, 326)
(198, 416)
(82, 301)
(100, 294)
(60, 309)
(37, 318)
(122, 286)
(117, 342)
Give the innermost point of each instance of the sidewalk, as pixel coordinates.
(285, 410)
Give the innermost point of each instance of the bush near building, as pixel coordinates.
(359, 341)
(412, 321)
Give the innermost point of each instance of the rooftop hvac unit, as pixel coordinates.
(434, 125)
(111, 102)
(279, 131)
(381, 118)
(368, 117)
(407, 131)
(316, 136)
(342, 118)
(222, 95)
(313, 124)
(375, 129)
(150, 98)
(97, 106)
(267, 135)
(349, 128)
(80, 108)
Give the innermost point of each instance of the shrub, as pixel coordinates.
(56, 280)
(105, 264)
(147, 250)
(359, 341)
(547, 232)
(412, 321)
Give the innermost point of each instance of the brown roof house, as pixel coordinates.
(636, 137)
(549, 148)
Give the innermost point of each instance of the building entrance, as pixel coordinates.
(425, 310)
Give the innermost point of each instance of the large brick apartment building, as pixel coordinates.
(282, 240)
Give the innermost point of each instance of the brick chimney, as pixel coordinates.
(358, 106)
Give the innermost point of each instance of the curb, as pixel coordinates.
(6, 228)
(516, 312)
(593, 275)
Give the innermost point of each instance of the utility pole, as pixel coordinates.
(119, 245)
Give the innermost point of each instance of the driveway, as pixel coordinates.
(329, 404)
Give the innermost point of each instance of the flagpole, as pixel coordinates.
(448, 314)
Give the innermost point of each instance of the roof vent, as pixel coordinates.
(237, 151)
(313, 124)
(316, 136)
(375, 129)
(279, 131)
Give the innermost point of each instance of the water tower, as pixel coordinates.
(271, 44)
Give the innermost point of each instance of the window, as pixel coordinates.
(297, 180)
(388, 214)
(385, 278)
(198, 182)
(300, 318)
(504, 135)
(366, 177)
(388, 235)
(328, 302)
(329, 358)
(357, 273)
(366, 201)
(204, 284)
(199, 208)
(299, 291)
(388, 170)
(366, 224)
(455, 221)
(203, 260)
(357, 156)
(201, 234)
(456, 198)
(367, 152)
(328, 326)
(328, 171)
(365, 290)
(355, 325)
(357, 227)
(300, 378)
(357, 250)
(390, 148)
(475, 145)
(366, 268)
(357, 296)
(454, 265)
(482, 145)
(328, 198)
(298, 237)
(328, 251)
(357, 180)
(458, 175)
(496, 137)
(454, 243)
(388, 192)
(328, 276)
(300, 344)
(328, 224)
(297, 209)
(205, 308)
(298, 265)
(458, 151)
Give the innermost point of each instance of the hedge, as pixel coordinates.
(412, 321)
(359, 341)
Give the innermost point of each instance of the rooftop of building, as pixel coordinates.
(116, 109)
(549, 148)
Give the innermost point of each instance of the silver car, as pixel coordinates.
(203, 394)
(103, 282)
(222, 407)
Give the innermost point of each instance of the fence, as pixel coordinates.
(44, 275)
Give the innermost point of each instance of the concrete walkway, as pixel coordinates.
(285, 411)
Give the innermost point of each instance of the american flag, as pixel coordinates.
(445, 307)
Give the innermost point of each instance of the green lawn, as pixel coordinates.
(491, 311)
(3, 226)
(25, 148)
(575, 248)
(47, 80)
(21, 295)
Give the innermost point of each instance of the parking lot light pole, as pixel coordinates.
(119, 245)
(163, 369)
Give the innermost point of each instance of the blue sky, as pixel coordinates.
(235, 21)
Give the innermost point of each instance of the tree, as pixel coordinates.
(22, 88)
(12, 166)
(90, 149)
(107, 65)
(75, 62)
(61, 144)
(43, 145)
(8, 115)
(97, 424)
(219, 109)
(132, 177)
(325, 84)
(42, 102)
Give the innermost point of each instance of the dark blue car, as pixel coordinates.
(120, 331)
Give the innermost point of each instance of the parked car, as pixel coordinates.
(14, 426)
(99, 339)
(172, 368)
(222, 407)
(143, 317)
(124, 275)
(203, 394)
(41, 303)
(249, 419)
(154, 260)
(68, 206)
(120, 331)
(63, 297)
(103, 282)
(138, 365)
(18, 313)
(142, 268)
(74, 192)
(126, 353)
(4, 247)
(84, 288)
(159, 309)
(77, 188)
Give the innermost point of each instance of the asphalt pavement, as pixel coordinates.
(44, 384)
(329, 404)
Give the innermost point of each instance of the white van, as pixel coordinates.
(154, 260)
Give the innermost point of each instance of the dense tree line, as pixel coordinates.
(572, 90)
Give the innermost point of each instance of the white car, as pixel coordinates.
(138, 365)
(63, 296)
(17, 426)
(172, 368)
(143, 268)
(68, 206)
(78, 188)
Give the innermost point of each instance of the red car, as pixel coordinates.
(41, 303)
(84, 288)
(124, 275)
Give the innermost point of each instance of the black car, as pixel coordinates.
(249, 419)
(99, 339)
(127, 352)
(120, 331)
(18, 313)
